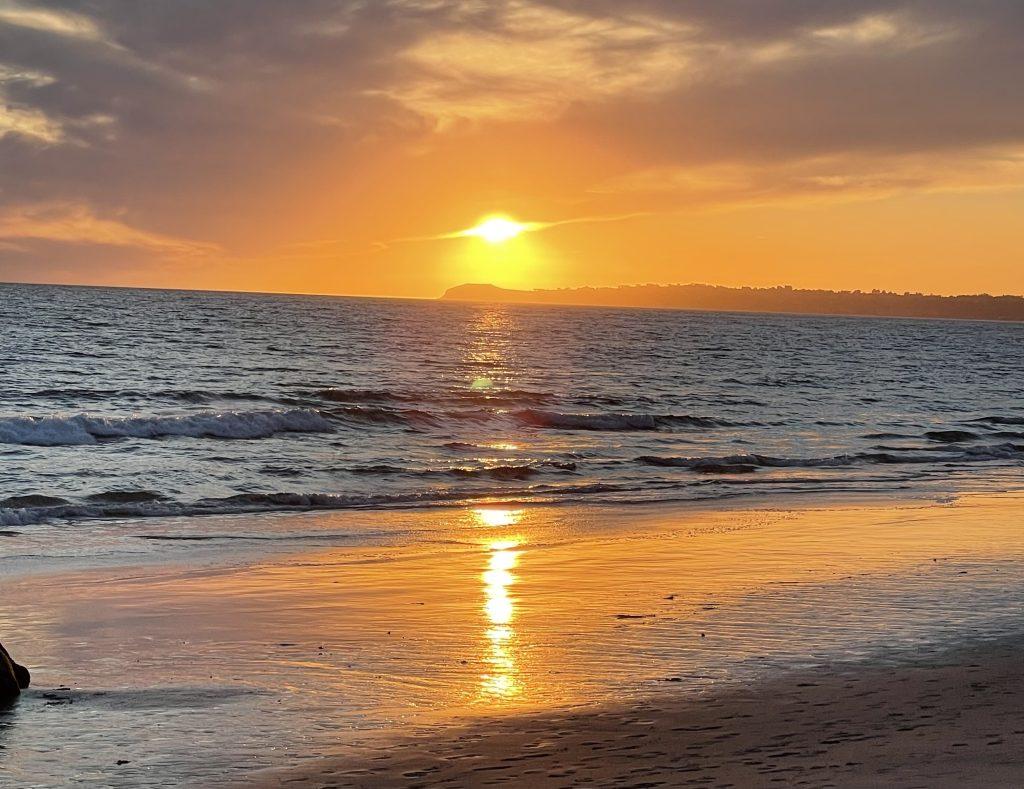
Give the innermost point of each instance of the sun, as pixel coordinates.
(496, 229)
(498, 248)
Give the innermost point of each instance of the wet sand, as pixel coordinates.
(485, 644)
(953, 720)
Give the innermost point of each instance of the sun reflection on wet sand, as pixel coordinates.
(501, 681)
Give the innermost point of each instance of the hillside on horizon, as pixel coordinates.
(781, 299)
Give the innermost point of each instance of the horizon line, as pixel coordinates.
(499, 287)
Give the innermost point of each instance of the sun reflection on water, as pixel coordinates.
(490, 352)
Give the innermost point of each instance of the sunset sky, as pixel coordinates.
(347, 146)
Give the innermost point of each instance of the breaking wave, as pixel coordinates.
(255, 503)
(193, 396)
(30, 508)
(84, 429)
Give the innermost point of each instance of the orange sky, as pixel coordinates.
(330, 146)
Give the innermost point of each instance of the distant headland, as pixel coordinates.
(781, 298)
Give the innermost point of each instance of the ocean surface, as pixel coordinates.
(121, 403)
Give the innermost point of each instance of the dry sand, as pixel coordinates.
(957, 720)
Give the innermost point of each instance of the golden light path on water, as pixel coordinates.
(501, 680)
(492, 359)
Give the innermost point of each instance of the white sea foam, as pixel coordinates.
(84, 429)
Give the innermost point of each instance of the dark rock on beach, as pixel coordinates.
(13, 677)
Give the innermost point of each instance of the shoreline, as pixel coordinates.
(214, 538)
(322, 648)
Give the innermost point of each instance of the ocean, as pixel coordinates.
(120, 403)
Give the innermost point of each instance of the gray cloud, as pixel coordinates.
(965, 90)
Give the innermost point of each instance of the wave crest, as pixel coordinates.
(751, 462)
(84, 429)
(737, 463)
(533, 417)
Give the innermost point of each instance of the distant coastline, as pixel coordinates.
(781, 299)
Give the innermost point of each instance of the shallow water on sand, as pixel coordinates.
(224, 660)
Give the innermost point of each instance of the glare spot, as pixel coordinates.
(496, 229)
(495, 518)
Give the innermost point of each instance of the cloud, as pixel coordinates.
(534, 60)
(77, 224)
(28, 123)
(48, 20)
(927, 77)
(874, 34)
(816, 180)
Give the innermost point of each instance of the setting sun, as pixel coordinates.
(501, 250)
(496, 229)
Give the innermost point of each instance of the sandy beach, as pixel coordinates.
(553, 644)
(952, 719)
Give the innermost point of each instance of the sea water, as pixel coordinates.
(119, 403)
